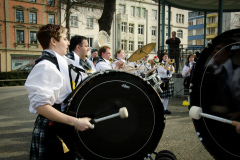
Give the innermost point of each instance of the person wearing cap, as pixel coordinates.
(94, 53)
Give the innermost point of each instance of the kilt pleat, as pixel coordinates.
(169, 92)
(38, 148)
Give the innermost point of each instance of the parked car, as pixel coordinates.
(25, 68)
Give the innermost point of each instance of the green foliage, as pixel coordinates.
(14, 76)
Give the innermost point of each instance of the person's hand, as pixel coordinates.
(119, 63)
(238, 128)
(190, 69)
(83, 124)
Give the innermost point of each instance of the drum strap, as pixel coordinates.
(48, 56)
(77, 70)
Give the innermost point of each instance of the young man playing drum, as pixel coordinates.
(48, 85)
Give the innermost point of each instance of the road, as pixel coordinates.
(16, 125)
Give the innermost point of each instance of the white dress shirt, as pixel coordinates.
(186, 68)
(46, 84)
(103, 65)
(162, 72)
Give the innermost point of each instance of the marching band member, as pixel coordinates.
(103, 60)
(165, 72)
(78, 52)
(186, 73)
(94, 54)
(119, 56)
(48, 85)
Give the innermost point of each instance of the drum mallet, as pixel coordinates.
(196, 113)
(123, 113)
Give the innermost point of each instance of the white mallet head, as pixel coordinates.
(195, 112)
(123, 112)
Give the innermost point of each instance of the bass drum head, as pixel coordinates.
(216, 89)
(132, 138)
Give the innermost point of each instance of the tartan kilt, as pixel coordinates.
(38, 148)
(169, 92)
(45, 144)
(186, 91)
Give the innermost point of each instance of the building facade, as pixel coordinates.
(231, 20)
(134, 25)
(19, 23)
(178, 23)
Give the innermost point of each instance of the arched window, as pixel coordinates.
(179, 33)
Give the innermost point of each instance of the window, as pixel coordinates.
(190, 32)
(190, 23)
(199, 42)
(132, 11)
(140, 44)
(33, 37)
(122, 9)
(131, 28)
(199, 31)
(32, 0)
(180, 33)
(154, 14)
(74, 21)
(154, 29)
(90, 41)
(124, 27)
(180, 18)
(51, 18)
(143, 12)
(140, 29)
(211, 19)
(32, 17)
(19, 16)
(89, 22)
(20, 36)
(211, 30)
(124, 45)
(51, 2)
(90, 9)
(190, 43)
(138, 12)
(130, 46)
(199, 21)
(166, 32)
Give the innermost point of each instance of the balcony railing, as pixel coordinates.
(182, 58)
(211, 35)
(212, 25)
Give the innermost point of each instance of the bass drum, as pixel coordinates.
(215, 87)
(133, 138)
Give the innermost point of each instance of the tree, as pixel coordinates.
(67, 6)
(105, 22)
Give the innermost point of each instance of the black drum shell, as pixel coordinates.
(220, 140)
(110, 148)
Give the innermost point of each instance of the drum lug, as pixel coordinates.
(190, 90)
(191, 84)
(107, 72)
(101, 72)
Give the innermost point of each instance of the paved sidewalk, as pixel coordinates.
(16, 125)
(180, 136)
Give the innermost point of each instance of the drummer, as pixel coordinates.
(165, 72)
(48, 86)
(103, 60)
(78, 52)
